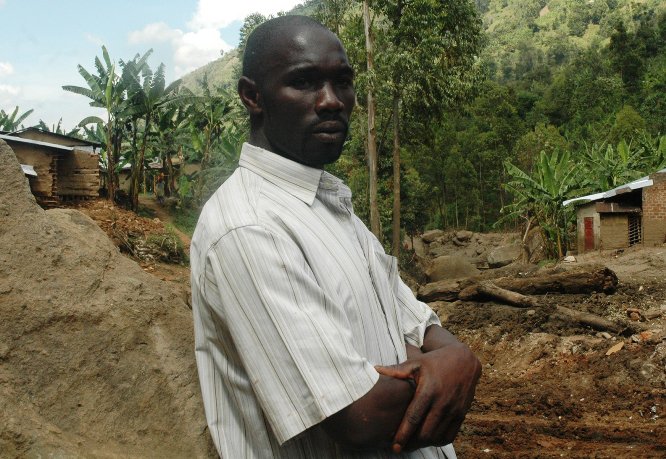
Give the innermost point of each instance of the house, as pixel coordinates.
(58, 167)
(634, 213)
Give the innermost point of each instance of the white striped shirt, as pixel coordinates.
(294, 302)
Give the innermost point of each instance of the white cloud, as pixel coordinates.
(6, 89)
(94, 39)
(202, 43)
(217, 14)
(6, 68)
(195, 49)
(157, 32)
(2, 3)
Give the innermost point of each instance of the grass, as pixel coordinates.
(185, 220)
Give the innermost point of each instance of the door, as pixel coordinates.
(589, 233)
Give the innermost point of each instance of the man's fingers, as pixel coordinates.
(414, 414)
(403, 370)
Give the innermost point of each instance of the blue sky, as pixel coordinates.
(43, 41)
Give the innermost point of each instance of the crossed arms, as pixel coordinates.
(420, 402)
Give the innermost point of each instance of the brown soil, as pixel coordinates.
(96, 352)
(548, 388)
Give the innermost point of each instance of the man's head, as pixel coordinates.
(297, 86)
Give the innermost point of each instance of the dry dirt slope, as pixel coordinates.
(96, 356)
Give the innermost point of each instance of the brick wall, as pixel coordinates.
(654, 211)
(614, 231)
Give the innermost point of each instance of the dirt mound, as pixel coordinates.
(96, 356)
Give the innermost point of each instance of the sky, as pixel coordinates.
(43, 42)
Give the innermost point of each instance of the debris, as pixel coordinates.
(507, 296)
(586, 318)
(615, 348)
(634, 314)
(653, 313)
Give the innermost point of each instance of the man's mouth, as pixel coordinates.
(330, 131)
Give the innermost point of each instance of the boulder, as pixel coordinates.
(504, 255)
(450, 267)
(464, 235)
(96, 355)
(432, 235)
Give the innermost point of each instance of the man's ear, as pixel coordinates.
(249, 95)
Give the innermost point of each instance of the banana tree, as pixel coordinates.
(12, 121)
(105, 90)
(538, 196)
(147, 92)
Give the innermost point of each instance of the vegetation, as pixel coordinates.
(482, 114)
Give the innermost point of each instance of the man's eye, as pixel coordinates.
(345, 83)
(301, 83)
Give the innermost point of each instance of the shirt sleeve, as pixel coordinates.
(415, 316)
(294, 341)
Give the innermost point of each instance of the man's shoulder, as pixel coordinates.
(233, 205)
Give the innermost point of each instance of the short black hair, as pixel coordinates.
(259, 43)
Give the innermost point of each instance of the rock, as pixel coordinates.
(569, 259)
(653, 313)
(504, 255)
(94, 350)
(431, 236)
(437, 249)
(464, 235)
(450, 267)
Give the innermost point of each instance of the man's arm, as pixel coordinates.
(394, 415)
(372, 421)
(446, 374)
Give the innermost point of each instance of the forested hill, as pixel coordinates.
(557, 84)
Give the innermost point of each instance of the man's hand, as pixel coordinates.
(446, 373)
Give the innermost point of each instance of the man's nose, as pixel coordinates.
(328, 98)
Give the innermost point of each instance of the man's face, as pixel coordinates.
(306, 96)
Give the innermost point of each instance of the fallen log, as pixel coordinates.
(584, 279)
(586, 318)
(507, 296)
(580, 280)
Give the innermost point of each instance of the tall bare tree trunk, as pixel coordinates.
(395, 245)
(372, 133)
(110, 163)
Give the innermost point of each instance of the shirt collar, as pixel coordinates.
(295, 178)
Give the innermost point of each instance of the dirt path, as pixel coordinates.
(149, 202)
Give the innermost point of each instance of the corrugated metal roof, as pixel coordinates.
(28, 170)
(54, 146)
(635, 185)
(55, 134)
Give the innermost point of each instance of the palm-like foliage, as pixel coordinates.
(12, 121)
(539, 196)
(147, 93)
(105, 90)
(609, 167)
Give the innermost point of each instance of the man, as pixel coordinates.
(308, 344)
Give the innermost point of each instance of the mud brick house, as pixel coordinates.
(630, 214)
(58, 167)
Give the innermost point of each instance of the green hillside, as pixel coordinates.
(219, 72)
(222, 71)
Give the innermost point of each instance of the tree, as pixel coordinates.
(12, 121)
(146, 94)
(538, 196)
(105, 90)
(372, 133)
(426, 72)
